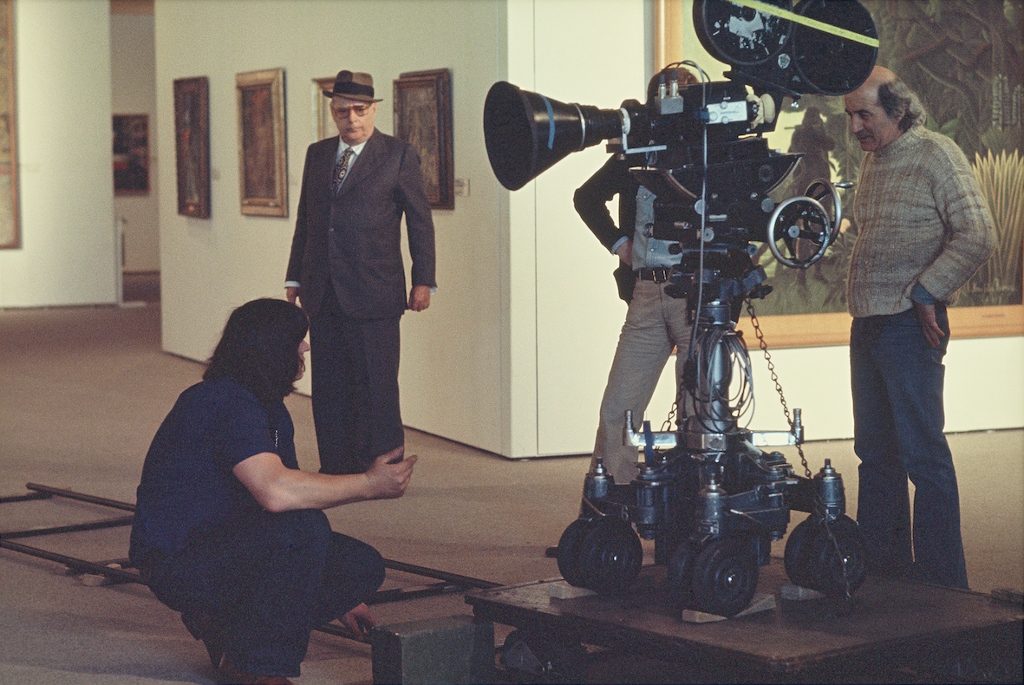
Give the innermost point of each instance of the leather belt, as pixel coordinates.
(658, 274)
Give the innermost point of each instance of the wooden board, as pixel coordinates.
(889, 622)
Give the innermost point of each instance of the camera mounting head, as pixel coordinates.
(700, 147)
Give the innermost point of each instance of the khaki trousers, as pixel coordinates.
(655, 323)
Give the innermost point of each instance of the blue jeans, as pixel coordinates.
(897, 381)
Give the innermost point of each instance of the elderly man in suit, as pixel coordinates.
(346, 271)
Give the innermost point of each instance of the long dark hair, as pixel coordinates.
(259, 348)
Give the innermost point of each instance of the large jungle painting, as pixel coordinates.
(965, 60)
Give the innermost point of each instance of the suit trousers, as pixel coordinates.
(356, 411)
(897, 381)
(655, 323)
(259, 585)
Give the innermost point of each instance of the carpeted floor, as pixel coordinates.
(83, 390)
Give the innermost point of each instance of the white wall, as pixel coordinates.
(983, 386)
(451, 362)
(134, 92)
(64, 154)
(474, 369)
(591, 54)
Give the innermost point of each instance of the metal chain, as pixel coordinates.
(669, 423)
(847, 591)
(675, 416)
(775, 379)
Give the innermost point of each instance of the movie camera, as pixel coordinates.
(705, 493)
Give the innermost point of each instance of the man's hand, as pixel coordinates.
(291, 294)
(625, 252)
(389, 478)
(419, 298)
(929, 325)
(359, 620)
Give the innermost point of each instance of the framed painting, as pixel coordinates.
(192, 145)
(423, 118)
(323, 124)
(971, 102)
(10, 225)
(262, 161)
(131, 154)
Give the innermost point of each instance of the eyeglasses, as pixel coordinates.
(343, 112)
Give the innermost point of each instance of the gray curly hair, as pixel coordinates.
(896, 96)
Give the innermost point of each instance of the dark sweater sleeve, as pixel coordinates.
(591, 201)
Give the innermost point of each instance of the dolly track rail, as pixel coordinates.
(119, 571)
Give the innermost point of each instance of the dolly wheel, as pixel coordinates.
(839, 558)
(797, 556)
(725, 576)
(610, 555)
(679, 579)
(568, 555)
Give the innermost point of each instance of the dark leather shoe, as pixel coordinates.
(227, 674)
(214, 651)
(201, 626)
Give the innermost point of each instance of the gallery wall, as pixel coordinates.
(67, 254)
(514, 351)
(473, 368)
(452, 354)
(133, 92)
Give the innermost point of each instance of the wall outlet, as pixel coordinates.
(462, 187)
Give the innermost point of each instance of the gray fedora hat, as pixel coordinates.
(353, 85)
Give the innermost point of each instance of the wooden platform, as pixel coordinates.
(893, 631)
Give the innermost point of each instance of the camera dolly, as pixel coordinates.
(712, 500)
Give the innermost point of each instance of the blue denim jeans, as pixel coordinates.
(897, 381)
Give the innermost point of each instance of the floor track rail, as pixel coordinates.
(121, 571)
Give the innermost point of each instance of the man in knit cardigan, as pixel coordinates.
(923, 229)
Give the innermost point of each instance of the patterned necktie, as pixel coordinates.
(341, 169)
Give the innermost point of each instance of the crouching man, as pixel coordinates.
(229, 532)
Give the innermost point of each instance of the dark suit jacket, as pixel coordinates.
(362, 257)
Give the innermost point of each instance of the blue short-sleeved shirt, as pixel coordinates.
(187, 482)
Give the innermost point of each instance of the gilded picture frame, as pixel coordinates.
(423, 118)
(916, 21)
(10, 217)
(262, 148)
(192, 146)
(323, 123)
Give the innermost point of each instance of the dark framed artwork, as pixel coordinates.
(323, 123)
(131, 154)
(10, 226)
(262, 160)
(192, 145)
(423, 118)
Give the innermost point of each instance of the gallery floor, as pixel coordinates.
(83, 390)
